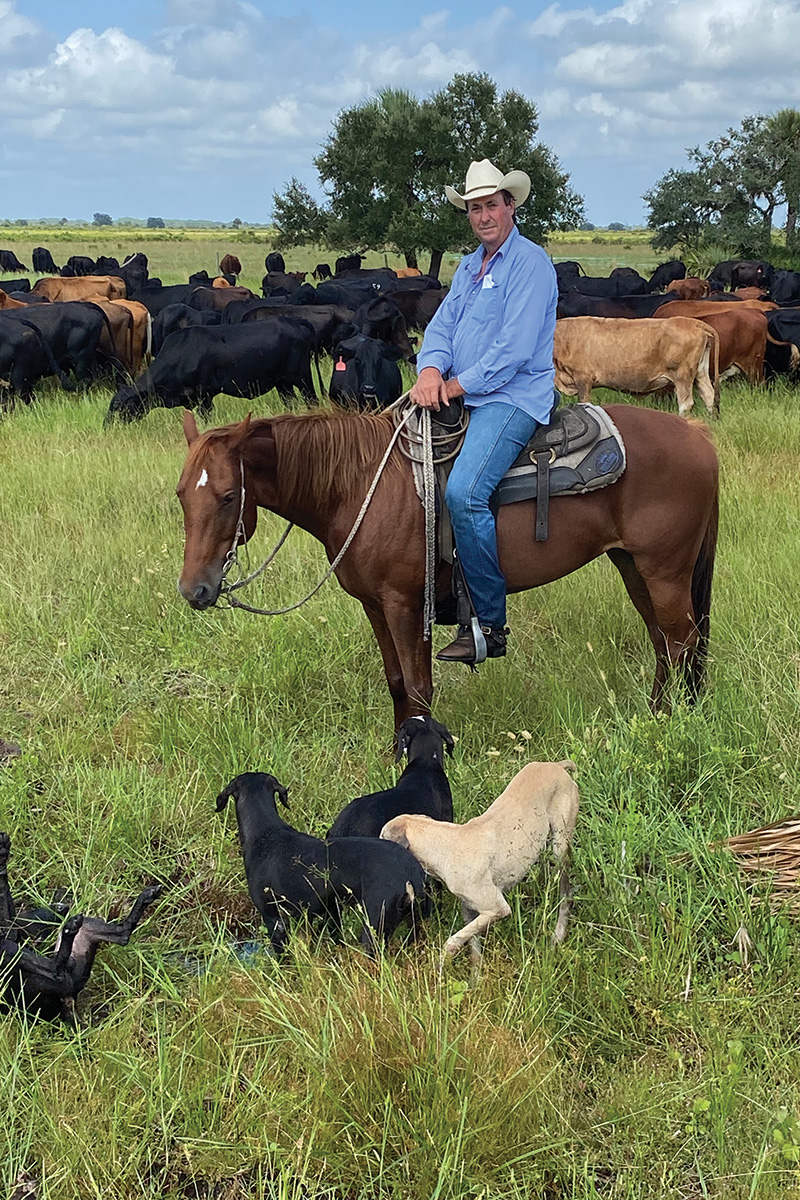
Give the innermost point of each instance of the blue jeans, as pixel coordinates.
(497, 432)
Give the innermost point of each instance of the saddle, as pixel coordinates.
(579, 450)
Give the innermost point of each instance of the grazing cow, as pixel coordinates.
(322, 271)
(56, 289)
(600, 286)
(365, 372)
(230, 265)
(15, 285)
(665, 274)
(197, 364)
(274, 262)
(630, 281)
(10, 262)
(742, 334)
(77, 265)
(690, 288)
(379, 277)
(43, 262)
(573, 304)
(106, 265)
(133, 272)
(180, 316)
(699, 308)
(66, 338)
(25, 358)
(407, 272)
(126, 339)
(157, 299)
(640, 357)
(720, 276)
(382, 319)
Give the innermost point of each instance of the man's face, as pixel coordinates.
(491, 219)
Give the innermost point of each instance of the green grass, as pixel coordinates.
(643, 1058)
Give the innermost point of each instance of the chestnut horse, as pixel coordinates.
(657, 524)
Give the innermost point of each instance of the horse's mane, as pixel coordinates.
(322, 455)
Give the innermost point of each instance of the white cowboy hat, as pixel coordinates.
(484, 179)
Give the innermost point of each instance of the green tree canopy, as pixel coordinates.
(155, 222)
(386, 161)
(102, 219)
(737, 183)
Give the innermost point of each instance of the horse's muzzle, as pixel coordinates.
(199, 595)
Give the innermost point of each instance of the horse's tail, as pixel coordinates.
(702, 578)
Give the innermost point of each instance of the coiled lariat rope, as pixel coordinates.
(422, 440)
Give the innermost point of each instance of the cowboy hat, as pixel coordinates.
(484, 179)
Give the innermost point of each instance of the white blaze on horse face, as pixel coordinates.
(203, 480)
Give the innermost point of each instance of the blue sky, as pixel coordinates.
(204, 108)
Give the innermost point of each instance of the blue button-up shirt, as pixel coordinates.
(496, 333)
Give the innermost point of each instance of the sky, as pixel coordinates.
(204, 108)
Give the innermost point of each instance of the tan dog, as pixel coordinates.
(480, 860)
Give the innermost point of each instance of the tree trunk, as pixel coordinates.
(436, 263)
(411, 258)
(791, 225)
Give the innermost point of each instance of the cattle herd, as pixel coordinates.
(184, 344)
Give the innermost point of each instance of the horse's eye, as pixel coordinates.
(229, 498)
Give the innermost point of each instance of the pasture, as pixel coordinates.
(652, 1055)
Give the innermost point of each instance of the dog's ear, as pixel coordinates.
(446, 736)
(282, 793)
(228, 793)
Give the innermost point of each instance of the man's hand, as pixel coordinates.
(431, 391)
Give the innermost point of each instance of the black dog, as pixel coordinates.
(291, 874)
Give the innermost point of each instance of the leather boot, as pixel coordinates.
(462, 649)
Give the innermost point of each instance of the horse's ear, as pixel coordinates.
(240, 432)
(190, 431)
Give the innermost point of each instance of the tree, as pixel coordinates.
(155, 223)
(386, 161)
(236, 223)
(102, 219)
(739, 181)
(616, 226)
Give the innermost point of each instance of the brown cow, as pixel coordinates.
(407, 272)
(690, 288)
(699, 308)
(750, 293)
(111, 287)
(140, 333)
(641, 357)
(219, 282)
(7, 302)
(204, 298)
(230, 265)
(742, 334)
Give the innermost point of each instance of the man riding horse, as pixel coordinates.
(491, 341)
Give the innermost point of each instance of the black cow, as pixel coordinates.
(630, 281)
(195, 365)
(720, 275)
(155, 299)
(381, 277)
(106, 264)
(382, 319)
(280, 282)
(324, 319)
(786, 288)
(322, 271)
(348, 262)
(783, 326)
(179, 316)
(417, 307)
(275, 262)
(72, 332)
(575, 304)
(665, 274)
(365, 372)
(351, 293)
(78, 265)
(25, 357)
(133, 272)
(15, 285)
(567, 271)
(752, 272)
(593, 285)
(10, 262)
(43, 262)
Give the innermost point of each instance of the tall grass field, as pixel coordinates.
(653, 1055)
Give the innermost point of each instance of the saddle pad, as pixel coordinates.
(595, 456)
